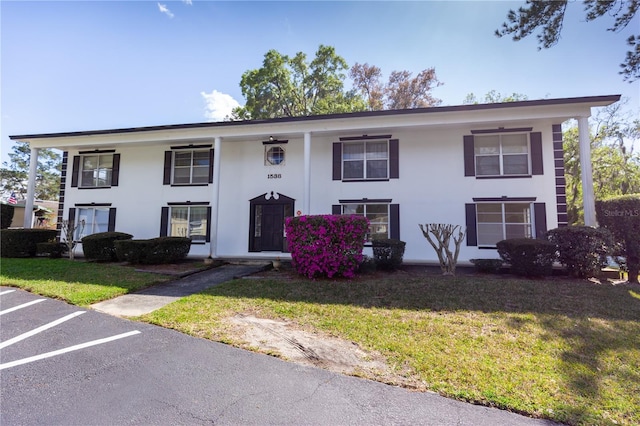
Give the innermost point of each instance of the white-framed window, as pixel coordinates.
(96, 170)
(501, 221)
(365, 160)
(274, 155)
(190, 166)
(189, 221)
(378, 215)
(91, 220)
(504, 154)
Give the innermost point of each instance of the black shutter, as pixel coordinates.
(208, 239)
(75, 171)
(469, 156)
(167, 168)
(336, 209)
(536, 153)
(72, 215)
(112, 220)
(115, 171)
(211, 166)
(164, 221)
(394, 221)
(472, 234)
(394, 159)
(540, 216)
(337, 161)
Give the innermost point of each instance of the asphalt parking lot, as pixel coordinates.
(61, 365)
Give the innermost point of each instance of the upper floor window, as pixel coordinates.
(99, 169)
(370, 158)
(505, 154)
(188, 166)
(274, 156)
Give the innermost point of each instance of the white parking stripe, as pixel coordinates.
(39, 329)
(6, 292)
(24, 305)
(65, 350)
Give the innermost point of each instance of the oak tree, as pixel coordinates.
(14, 175)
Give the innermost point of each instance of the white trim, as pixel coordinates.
(31, 188)
(588, 197)
(213, 244)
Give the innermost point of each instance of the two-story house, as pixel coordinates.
(495, 168)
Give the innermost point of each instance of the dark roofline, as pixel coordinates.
(455, 108)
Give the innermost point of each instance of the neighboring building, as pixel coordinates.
(495, 168)
(43, 214)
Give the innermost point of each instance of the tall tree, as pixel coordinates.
(616, 167)
(493, 97)
(292, 86)
(549, 16)
(402, 91)
(15, 174)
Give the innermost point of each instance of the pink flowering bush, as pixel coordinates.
(326, 245)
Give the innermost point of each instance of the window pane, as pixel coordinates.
(514, 144)
(486, 145)
(353, 151)
(488, 165)
(198, 224)
(489, 234)
(517, 213)
(275, 155)
(181, 175)
(101, 220)
(376, 169)
(89, 162)
(200, 174)
(84, 223)
(518, 231)
(87, 178)
(353, 169)
(357, 209)
(201, 158)
(179, 222)
(104, 177)
(258, 222)
(376, 150)
(182, 158)
(106, 161)
(516, 164)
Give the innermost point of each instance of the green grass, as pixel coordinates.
(562, 349)
(77, 282)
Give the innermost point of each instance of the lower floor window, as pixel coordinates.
(189, 221)
(378, 215)
(91, 221)
(501, 221)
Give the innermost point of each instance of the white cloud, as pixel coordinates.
(187, 2)
(164, 9)
(218, 105)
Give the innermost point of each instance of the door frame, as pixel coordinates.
(270, 199)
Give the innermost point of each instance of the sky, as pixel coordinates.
(90, 65)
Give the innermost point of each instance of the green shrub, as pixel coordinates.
(487, 266)
(527, 256)
(154, 251)
(23, 242)
(6, 215)
(621, 216)
(388, 253)
(100, 246)
(582, 250)
(52, 249)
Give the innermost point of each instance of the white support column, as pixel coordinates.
(31, 188)
(213, 250)
(306, 200)
(588, 197)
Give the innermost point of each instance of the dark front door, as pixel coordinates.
(272, 227)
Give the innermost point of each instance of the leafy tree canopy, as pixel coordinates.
(549, 16)
(15, 174)
(493, 97)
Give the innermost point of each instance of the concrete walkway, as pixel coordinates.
(152, 298)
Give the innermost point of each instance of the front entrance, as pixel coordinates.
(266, 229)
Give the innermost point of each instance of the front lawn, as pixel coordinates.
(78, 282)
(562, 349)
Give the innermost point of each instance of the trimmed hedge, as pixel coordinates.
(52, 249)
(388, 253)
(153, 251)
(621, 216)
(487, 266)
(100, 246)
(6, 215)
(582, 250)
(527, 256)
(326, 245)
(24, 242)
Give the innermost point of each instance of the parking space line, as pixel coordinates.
(65, 350)
(6, 292)
(24, 305)
(39, 329)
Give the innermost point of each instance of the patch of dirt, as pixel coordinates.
(289, 341)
